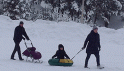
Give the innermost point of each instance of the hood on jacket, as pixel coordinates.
(60, 46)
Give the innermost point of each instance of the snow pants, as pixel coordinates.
(97, 59)
(17, 48)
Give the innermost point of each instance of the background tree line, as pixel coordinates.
(62, 10)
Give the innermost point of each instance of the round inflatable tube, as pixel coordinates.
(60, 62)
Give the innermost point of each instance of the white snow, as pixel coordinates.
(75, 6)
(44, 5)
(119, 4)
(46, 36)
(21, 0)
(88, 2)
(63, 5)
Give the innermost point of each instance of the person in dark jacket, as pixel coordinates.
(61, 54)
(93, 46)
(18, 36)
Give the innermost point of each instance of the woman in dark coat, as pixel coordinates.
(60, 53)
(93, 46)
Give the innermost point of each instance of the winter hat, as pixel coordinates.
(94, 27)
(21, 22)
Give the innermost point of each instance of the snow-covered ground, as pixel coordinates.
(46, 36)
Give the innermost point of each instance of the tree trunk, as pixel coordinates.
(95, 18)
(106, 24)
(108, 17)
(82, 16)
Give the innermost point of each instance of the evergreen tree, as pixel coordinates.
(101, 8)
(11, 8)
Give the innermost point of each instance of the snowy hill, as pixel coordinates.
(46, 36)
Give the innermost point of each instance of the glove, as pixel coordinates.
(23, 38)
(68, 58)
(83, 48)
(28, 39)
(52, 57)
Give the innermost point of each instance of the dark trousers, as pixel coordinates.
(88, 57)
(17, 48)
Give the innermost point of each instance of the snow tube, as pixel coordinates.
(60, 62)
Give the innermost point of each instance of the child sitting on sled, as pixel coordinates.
(60, 53)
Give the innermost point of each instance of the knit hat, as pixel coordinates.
(21, 22)
(94, 28)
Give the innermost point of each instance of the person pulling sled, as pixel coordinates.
(93, 47)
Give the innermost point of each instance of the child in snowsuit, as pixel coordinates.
(60, 53)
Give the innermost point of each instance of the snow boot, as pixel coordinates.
(21, 59)
(99, 67)
(86, 67)
(13, 59)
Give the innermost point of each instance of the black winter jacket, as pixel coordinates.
(19, 33)
(93, 43)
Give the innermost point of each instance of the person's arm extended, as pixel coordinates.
(67, 56)
(55, 54)
(85, 43)
(25, 34)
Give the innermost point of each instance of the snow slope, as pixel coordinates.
(46, 36)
